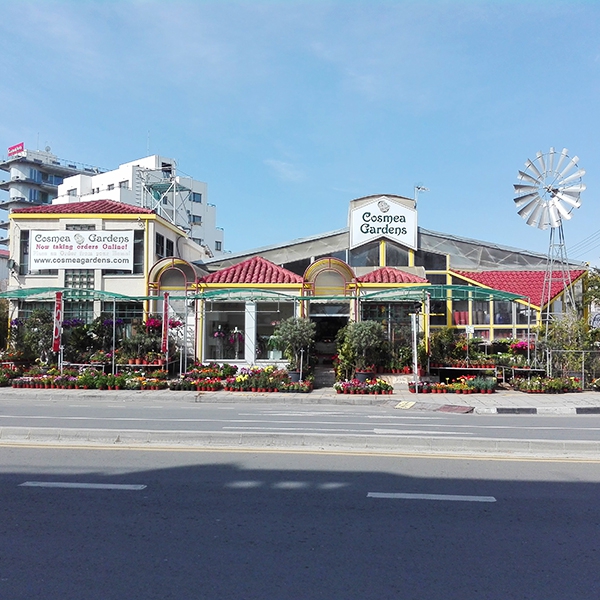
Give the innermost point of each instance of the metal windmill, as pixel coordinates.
(549, 190)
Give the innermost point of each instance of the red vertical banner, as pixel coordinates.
(58, 319)
(165, 324)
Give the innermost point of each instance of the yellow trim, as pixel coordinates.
(411, 257)
(382, 253)
(329, 263)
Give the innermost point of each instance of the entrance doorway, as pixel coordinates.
(327, 328)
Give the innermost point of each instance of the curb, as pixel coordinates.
(499, 410)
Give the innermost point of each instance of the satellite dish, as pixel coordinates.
(48, 148)
(549, 189)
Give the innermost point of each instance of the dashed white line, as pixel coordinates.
(83, 486)
(446, 497)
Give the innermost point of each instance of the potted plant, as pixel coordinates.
(294, 336)
(366, 340)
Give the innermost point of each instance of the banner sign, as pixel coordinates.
(58, 319)
(165, 324)
(52, 249)
(383, 218)
(16, 149)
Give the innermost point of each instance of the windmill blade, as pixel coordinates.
(526, 210)
(564, 213)
(551, 160)
(529, 165)
(579, 173)
(553, 216)
(521, 200)
(540, 158)
(574, 189)
(572, 163)
(534, 217)
(520, 188)
(574, 202)
(526, 177)
(563, 156)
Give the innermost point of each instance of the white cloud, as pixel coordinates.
(285, 170)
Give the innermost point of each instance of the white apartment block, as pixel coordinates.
(152, 182)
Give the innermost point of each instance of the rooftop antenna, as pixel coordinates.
(547, 194)
(419, 188)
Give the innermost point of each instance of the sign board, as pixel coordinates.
(383, 217)
(52, 249)
(469, 329)
(58, 320)
(16, 149)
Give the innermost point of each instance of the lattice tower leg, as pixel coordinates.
(557, 276)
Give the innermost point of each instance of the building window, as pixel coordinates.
(72, 192)
(34, 195)
(160, 245)
(430, 260)
(395, 255)
(502, 312)
(35, 175)
(196, 197)
(80, 227)
(124, 184)
(218, 246)
(79, 278)
(79, 309)
(196, 219)
(169, 250)
(198, 241)
(111, 186)
(365, 256)
(24, 253)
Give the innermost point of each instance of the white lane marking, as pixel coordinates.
(446, 497)
(83, 486)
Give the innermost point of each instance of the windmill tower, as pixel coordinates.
(549, 190)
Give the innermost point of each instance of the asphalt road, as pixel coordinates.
(256, 525)
(187, 416)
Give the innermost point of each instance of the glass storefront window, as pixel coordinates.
(480, 314)
(225, 328)
(502, 312)
(460, 312)
(526, 315)
(437, 312)
(268, 316)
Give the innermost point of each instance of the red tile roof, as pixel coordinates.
(389, 275)
(94, 206)
(253, 270)
(529, 284)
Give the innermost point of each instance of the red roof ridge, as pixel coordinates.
(91, 206)
(390, 275)
(254, 270)
(529, 284)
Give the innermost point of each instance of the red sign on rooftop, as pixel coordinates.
(16, 149)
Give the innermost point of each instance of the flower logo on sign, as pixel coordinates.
(79, 238)
(383, 206)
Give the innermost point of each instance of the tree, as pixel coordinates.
(292, 336)
(37, 339)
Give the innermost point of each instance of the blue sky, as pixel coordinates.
(288, 110)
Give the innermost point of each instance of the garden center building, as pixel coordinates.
(383, 267)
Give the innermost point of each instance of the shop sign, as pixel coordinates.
(383, 218)
(60, 249)
(16, 149)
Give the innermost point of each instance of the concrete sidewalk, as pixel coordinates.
(500, 402)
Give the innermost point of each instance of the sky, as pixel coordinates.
(288, 110)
